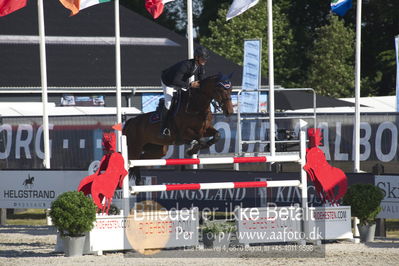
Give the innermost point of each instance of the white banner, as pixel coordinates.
(390, 203)
(251, 76)
(397, 72)
(36, 189)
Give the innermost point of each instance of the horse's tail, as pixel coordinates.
(125, 126)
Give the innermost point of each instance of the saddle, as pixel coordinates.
(155, 117)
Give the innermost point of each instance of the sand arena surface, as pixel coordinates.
(34, 245)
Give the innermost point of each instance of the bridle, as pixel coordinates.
(226, 84)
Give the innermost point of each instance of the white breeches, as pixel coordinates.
(168, 95)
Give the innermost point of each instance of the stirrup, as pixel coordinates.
(166, 132)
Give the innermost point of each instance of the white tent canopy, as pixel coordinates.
(18, 109)
(377, 104)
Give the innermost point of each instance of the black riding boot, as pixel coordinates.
(164, 130)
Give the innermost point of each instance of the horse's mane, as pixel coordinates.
(218, 75)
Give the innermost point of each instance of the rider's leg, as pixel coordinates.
(168, 95)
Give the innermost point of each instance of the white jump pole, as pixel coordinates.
(125, 188)
(218, 160)
(304, 180)
(209, 186)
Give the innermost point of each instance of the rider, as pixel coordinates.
(177, 77)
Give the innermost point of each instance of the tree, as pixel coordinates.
(209, 13)
(331, 70)
(227, 38)
(381, 24)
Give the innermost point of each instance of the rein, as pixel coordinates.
(218, 106)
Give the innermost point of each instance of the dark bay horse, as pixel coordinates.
(191, 124)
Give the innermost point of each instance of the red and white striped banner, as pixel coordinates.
(223, 185)
(216, 160)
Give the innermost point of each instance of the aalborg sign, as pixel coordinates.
(35, 189)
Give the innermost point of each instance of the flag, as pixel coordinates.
(155, 7)
(240, 6)
(76, 5)
(340, 7)
(9, 6)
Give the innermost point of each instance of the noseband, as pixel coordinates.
(226, 84)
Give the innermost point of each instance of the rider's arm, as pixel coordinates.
(201, 73)
(183, 69)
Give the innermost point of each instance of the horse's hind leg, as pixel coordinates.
(134, 172)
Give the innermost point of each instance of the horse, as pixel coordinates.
(28, 182)
(192, 122)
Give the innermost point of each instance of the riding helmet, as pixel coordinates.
(201, 51)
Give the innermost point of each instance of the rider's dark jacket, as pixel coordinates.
(178, 74)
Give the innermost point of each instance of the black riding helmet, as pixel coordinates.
(201, 51)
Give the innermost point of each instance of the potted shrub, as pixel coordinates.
(365, 200)
(73, 214)
(217, 234)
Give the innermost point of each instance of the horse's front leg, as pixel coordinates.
(197, 145)
(215, 137)
(193, 139)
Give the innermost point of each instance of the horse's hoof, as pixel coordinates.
(192, 151)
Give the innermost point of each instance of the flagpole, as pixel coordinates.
(118, 73)
(190, 47)
(125, 185)
(357, 86)
(271, 77)
(43, 76)
(190, 29)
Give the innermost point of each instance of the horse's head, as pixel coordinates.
(222, 93)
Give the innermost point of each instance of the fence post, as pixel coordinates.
(3, 216)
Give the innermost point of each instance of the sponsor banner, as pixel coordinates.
(251, 76)
(152, 228)
(330, 223)
(390, 204)
(283, 224)
(228, 200)
(76, 141)
(36, 189)
(92, 100)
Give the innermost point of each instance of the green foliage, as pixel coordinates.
(381, 24)
(295, 31)
(218, 227)
(365, 200)
(227, 38)
(73, 213)
(331, 70)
